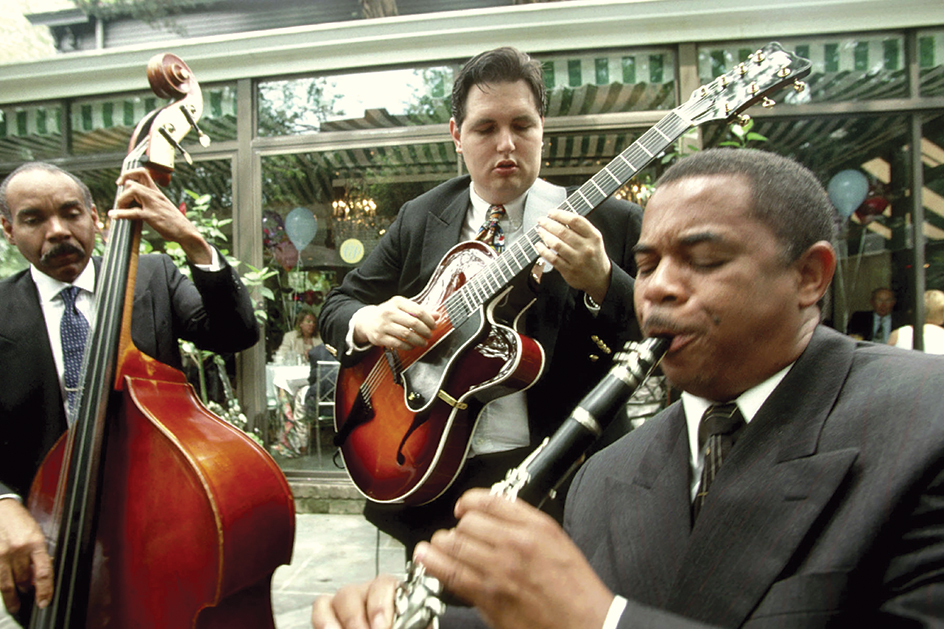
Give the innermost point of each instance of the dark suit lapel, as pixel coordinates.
(444, 227)
(650, 513)
(769, 492)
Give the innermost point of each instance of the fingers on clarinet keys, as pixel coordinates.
(417, 603)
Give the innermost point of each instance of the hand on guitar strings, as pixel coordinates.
(516, 565)
(24, 563)
(573, 246)
(397, 323)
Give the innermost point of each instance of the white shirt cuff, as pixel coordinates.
(349, 338)
(616, 611)
(591, 305)
(214, 264)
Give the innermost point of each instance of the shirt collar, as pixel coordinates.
(748, 403)
(49, 287)
(514, 208)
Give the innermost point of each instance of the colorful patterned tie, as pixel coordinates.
(719, 428)
(491, 232)
(73, 330)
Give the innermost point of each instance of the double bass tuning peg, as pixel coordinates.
(203, 137)
(166, 133)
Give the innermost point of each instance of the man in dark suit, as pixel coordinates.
(584, 305)
(47, 213)
(826, 507)
(878, 323)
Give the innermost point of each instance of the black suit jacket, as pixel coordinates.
(214, 310)
(861, 323)
(424, 231)
(829, 512)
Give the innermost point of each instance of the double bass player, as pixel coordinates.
(48, 214)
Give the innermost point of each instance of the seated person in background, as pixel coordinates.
(813, 498)
(297, 342)
(933, 322)
(875, 325)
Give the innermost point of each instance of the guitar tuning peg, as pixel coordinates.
(204, 139)
(743, 119)
(783, 72)
(758, 57)
(799, 86)
(741, 69)
(767, 103)
(166, 133)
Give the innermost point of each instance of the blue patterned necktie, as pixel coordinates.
(491, 232)
(73, 330)
(719, 428)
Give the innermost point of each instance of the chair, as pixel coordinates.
(318, 399)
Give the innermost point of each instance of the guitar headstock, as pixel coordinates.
(764, 72)
(156, 140)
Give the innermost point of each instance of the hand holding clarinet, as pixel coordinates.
(509, 560)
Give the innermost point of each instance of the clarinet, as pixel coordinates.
(417, 603)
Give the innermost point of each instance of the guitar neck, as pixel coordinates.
(522, 254)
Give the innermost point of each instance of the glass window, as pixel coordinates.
(322, 213)
(365, 100)
(931, 62)
(105, 125)
(639, 80)
(868, 67)
(29, 133)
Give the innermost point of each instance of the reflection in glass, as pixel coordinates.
(844, 69)
(931, 62)
(30, 133)
(103, 125)
(365, 100)
(578, 84)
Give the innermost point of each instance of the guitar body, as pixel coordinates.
(407, 417)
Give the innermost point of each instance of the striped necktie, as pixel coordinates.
(73, 330)
(491, 232)
(719, 428)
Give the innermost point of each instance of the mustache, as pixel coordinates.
(662, 324)
(63, 248)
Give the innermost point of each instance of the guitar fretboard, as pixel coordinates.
(522, 253)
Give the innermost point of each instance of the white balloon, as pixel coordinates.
(301, 226)
(847, 190)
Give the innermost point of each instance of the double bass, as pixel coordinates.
(158, 514)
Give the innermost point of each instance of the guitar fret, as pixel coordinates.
(602, 191)
(619, 182)
(648, 152)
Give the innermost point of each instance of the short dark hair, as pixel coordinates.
(501, 65)
(785, 195)
(50, 168)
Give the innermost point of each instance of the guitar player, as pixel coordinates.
(583, 309)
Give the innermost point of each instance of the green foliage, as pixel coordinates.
(743, 135)
(10, 259)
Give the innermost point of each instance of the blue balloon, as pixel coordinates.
(847, 190)
(301, 226)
